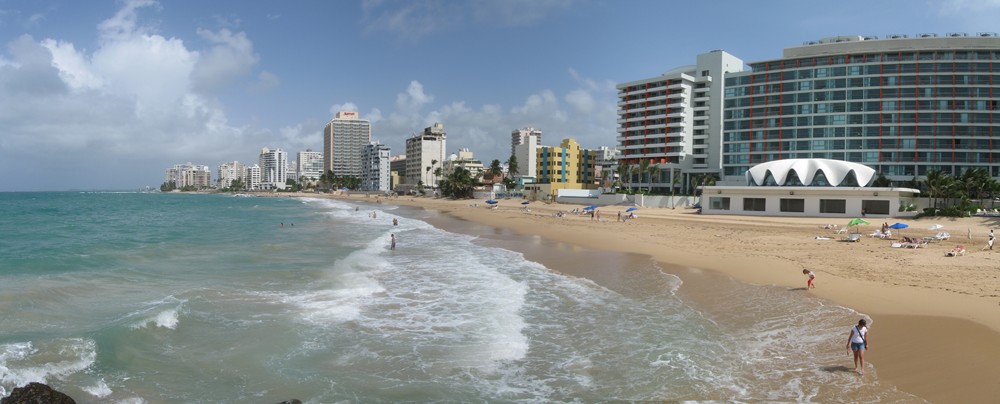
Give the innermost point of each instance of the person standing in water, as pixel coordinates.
(812, 276)
(857, 342)
(392, 241)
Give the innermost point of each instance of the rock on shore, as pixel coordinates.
(36, 393)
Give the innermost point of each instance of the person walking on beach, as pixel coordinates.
(619, 216)
(812, 276)
(989, 241)
(857, 342)
(392, 241)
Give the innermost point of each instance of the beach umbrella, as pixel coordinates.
(857, 221)
(631, 209)
(935, 227)
(591, 207)
(344, 188)
(524, 203)
(898, 225)
(491, 201)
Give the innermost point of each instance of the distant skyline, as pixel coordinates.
(107, 95)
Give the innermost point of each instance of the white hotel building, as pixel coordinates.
(273, 168)
(375, 168)
(231, 171)
(674, 120)
(344, 139)
(425, 152)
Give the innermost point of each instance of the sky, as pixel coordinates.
(106, 95)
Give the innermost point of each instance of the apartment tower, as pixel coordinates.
(344, 139)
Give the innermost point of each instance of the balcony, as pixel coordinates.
(677, 115)
(679, 85)
(675, 124)
(702, 97)
(681, 94)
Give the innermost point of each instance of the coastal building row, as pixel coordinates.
(348, 152)
(189, 175)
(900, 105)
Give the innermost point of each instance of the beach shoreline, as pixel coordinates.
(936, 318)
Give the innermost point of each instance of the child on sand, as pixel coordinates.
(812, 276)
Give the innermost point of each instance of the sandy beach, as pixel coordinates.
(936, 330)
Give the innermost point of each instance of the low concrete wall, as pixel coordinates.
(681, 201)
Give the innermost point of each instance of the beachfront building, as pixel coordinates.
(344, 139)
(524, 135)
(253, 177)
(674, 121)
(526, 153)
(375, 168)
(901, 105)
(230, 172)
(273, 168)
(464, 158)
(809, 187)
(607, 165)
(563, 167)
(397, 170)
(309, 164)
(425, 152)
(189, 175)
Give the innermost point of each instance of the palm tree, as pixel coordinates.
(674, 181)
(653, 169)
(643, 168)
(458, 184)
(938, 184)
(434, 163)
(512, 169)
(495, 169)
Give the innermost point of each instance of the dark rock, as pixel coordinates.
(36, 393)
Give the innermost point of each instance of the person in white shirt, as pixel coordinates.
(857, 342)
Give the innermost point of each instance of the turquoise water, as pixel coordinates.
(130, 297)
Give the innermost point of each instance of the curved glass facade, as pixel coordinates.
(927, 105)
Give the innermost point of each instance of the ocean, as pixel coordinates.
(166, 298)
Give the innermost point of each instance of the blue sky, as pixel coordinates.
(108, 94)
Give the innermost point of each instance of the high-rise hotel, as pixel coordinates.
(344, 141)
(674, 120)
(901, 105)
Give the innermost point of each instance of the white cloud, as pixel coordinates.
(588, 115)
(347, 106)
(74, 69)
(414, 98)
(230, 58)
(124, 23)
(419, 18)
(93, 117)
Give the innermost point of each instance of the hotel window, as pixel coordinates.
(718, 203)
(754, 204)
(792, 205)
(832, 206)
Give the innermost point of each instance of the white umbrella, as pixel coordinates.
(935, 227)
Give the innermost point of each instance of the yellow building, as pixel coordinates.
(566, 166)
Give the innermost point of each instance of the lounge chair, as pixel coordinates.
(842, 230)
(876, 233)
(853, 237)
(942, 236)
(958, 250)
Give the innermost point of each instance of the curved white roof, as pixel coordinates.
(806, 169)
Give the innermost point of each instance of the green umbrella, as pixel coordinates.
(857, 221)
